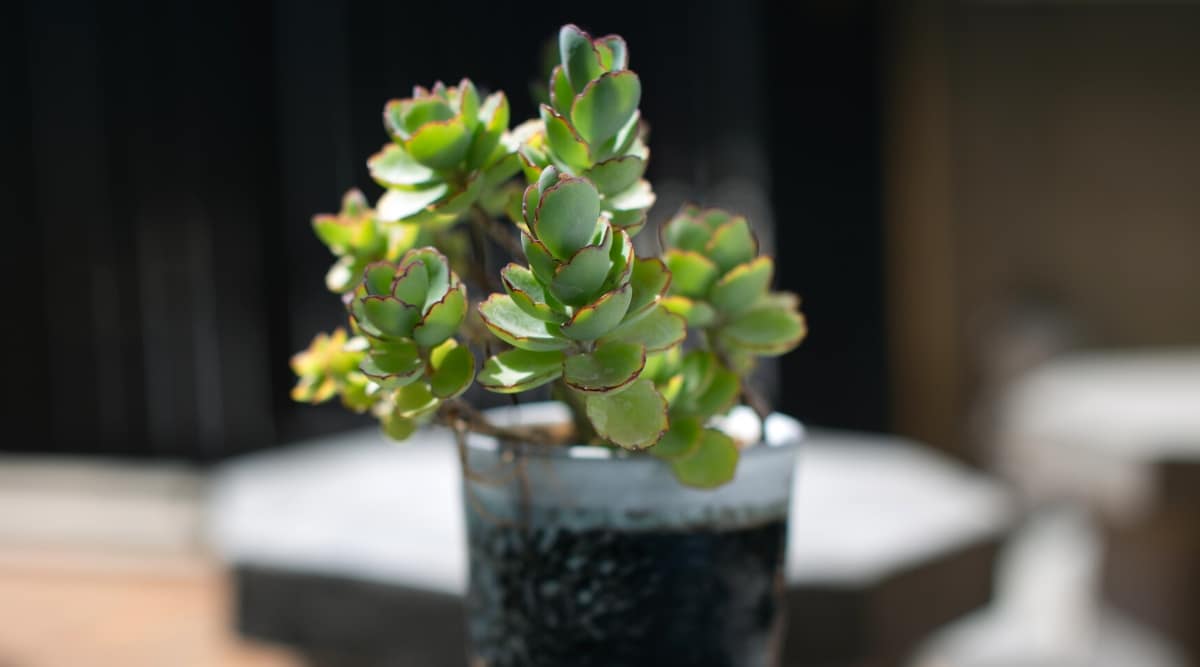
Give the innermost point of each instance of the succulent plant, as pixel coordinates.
(580, 310)
(585, 309)
(721, 284)
(448, 152)
(408, 313)
(592, 127)
(357, 237)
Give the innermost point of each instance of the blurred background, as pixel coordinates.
(991, 210)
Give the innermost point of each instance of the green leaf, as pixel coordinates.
(460, 200)
(604, 105)
(650, 279)
(529, 294)
(520, 370)
(741, 288)
(765, 331)
(683, 439)
(657, 330)
(697, 313)
(712, 464)
(411, 285)
(561, 92)
(337, 234)
(414, 400)
(619, 52)
(378, 277)
(564, 141)
(732, 243)
(685, 233)
(579, 280)
(596, 319)
(634, 418)
(343, 276)
(441, 144)
(442, 318)
(617, 174)
(692, 274)
(393, 366)
(579, 56)
(540, 260)
(392, 167)
(390, 315)
(719, 395)
(396, 204)
(567, 215)
(398, 428)
(509, 323)
(453, 369)
(437, 270)
(610, 367)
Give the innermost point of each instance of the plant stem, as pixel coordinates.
(457, 413)
(498, 232)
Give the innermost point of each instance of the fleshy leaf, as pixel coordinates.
(732, 243)
(596, 319)
(610, 367)
(520, 370)
(718, 396)
(453, 369)
(657, 330)
(697, 313)
(691, 273)
(650, 279)
(741, 288)
(396, 204)
(634, 418)
(509, 323)
(441, 144)
(540, 260)
(398, 428)
(414, 400)
(437, 269)
(604, 105)
(411, 285)
(528, 293)
(392, 167)
(567, 215)
(712, 464)
(579, 56)
(378, 278)
(616, 174)
(393, 366)
(390, 315)
(682, 439)
(616, 46)
(561, 92)
(566, 143)
(765, 331)
(685, 233)
(579, 280)
(442, 319)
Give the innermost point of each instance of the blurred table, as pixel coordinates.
(354, 549)
(1119, 432)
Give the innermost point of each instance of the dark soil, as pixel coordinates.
(549, 596)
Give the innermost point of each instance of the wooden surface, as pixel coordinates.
(61, 608)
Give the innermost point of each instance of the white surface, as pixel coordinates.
(1088, 426)
(362, 507)
(1047, 611)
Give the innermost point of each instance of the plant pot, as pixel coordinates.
(591, 557)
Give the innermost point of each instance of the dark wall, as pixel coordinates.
(165, 158)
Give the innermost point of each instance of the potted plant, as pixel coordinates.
(629, 522)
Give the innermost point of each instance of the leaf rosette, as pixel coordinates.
(448, 152)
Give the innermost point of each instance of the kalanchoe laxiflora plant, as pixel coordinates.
(579, 311)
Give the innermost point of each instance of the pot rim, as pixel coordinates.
(782, 432)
